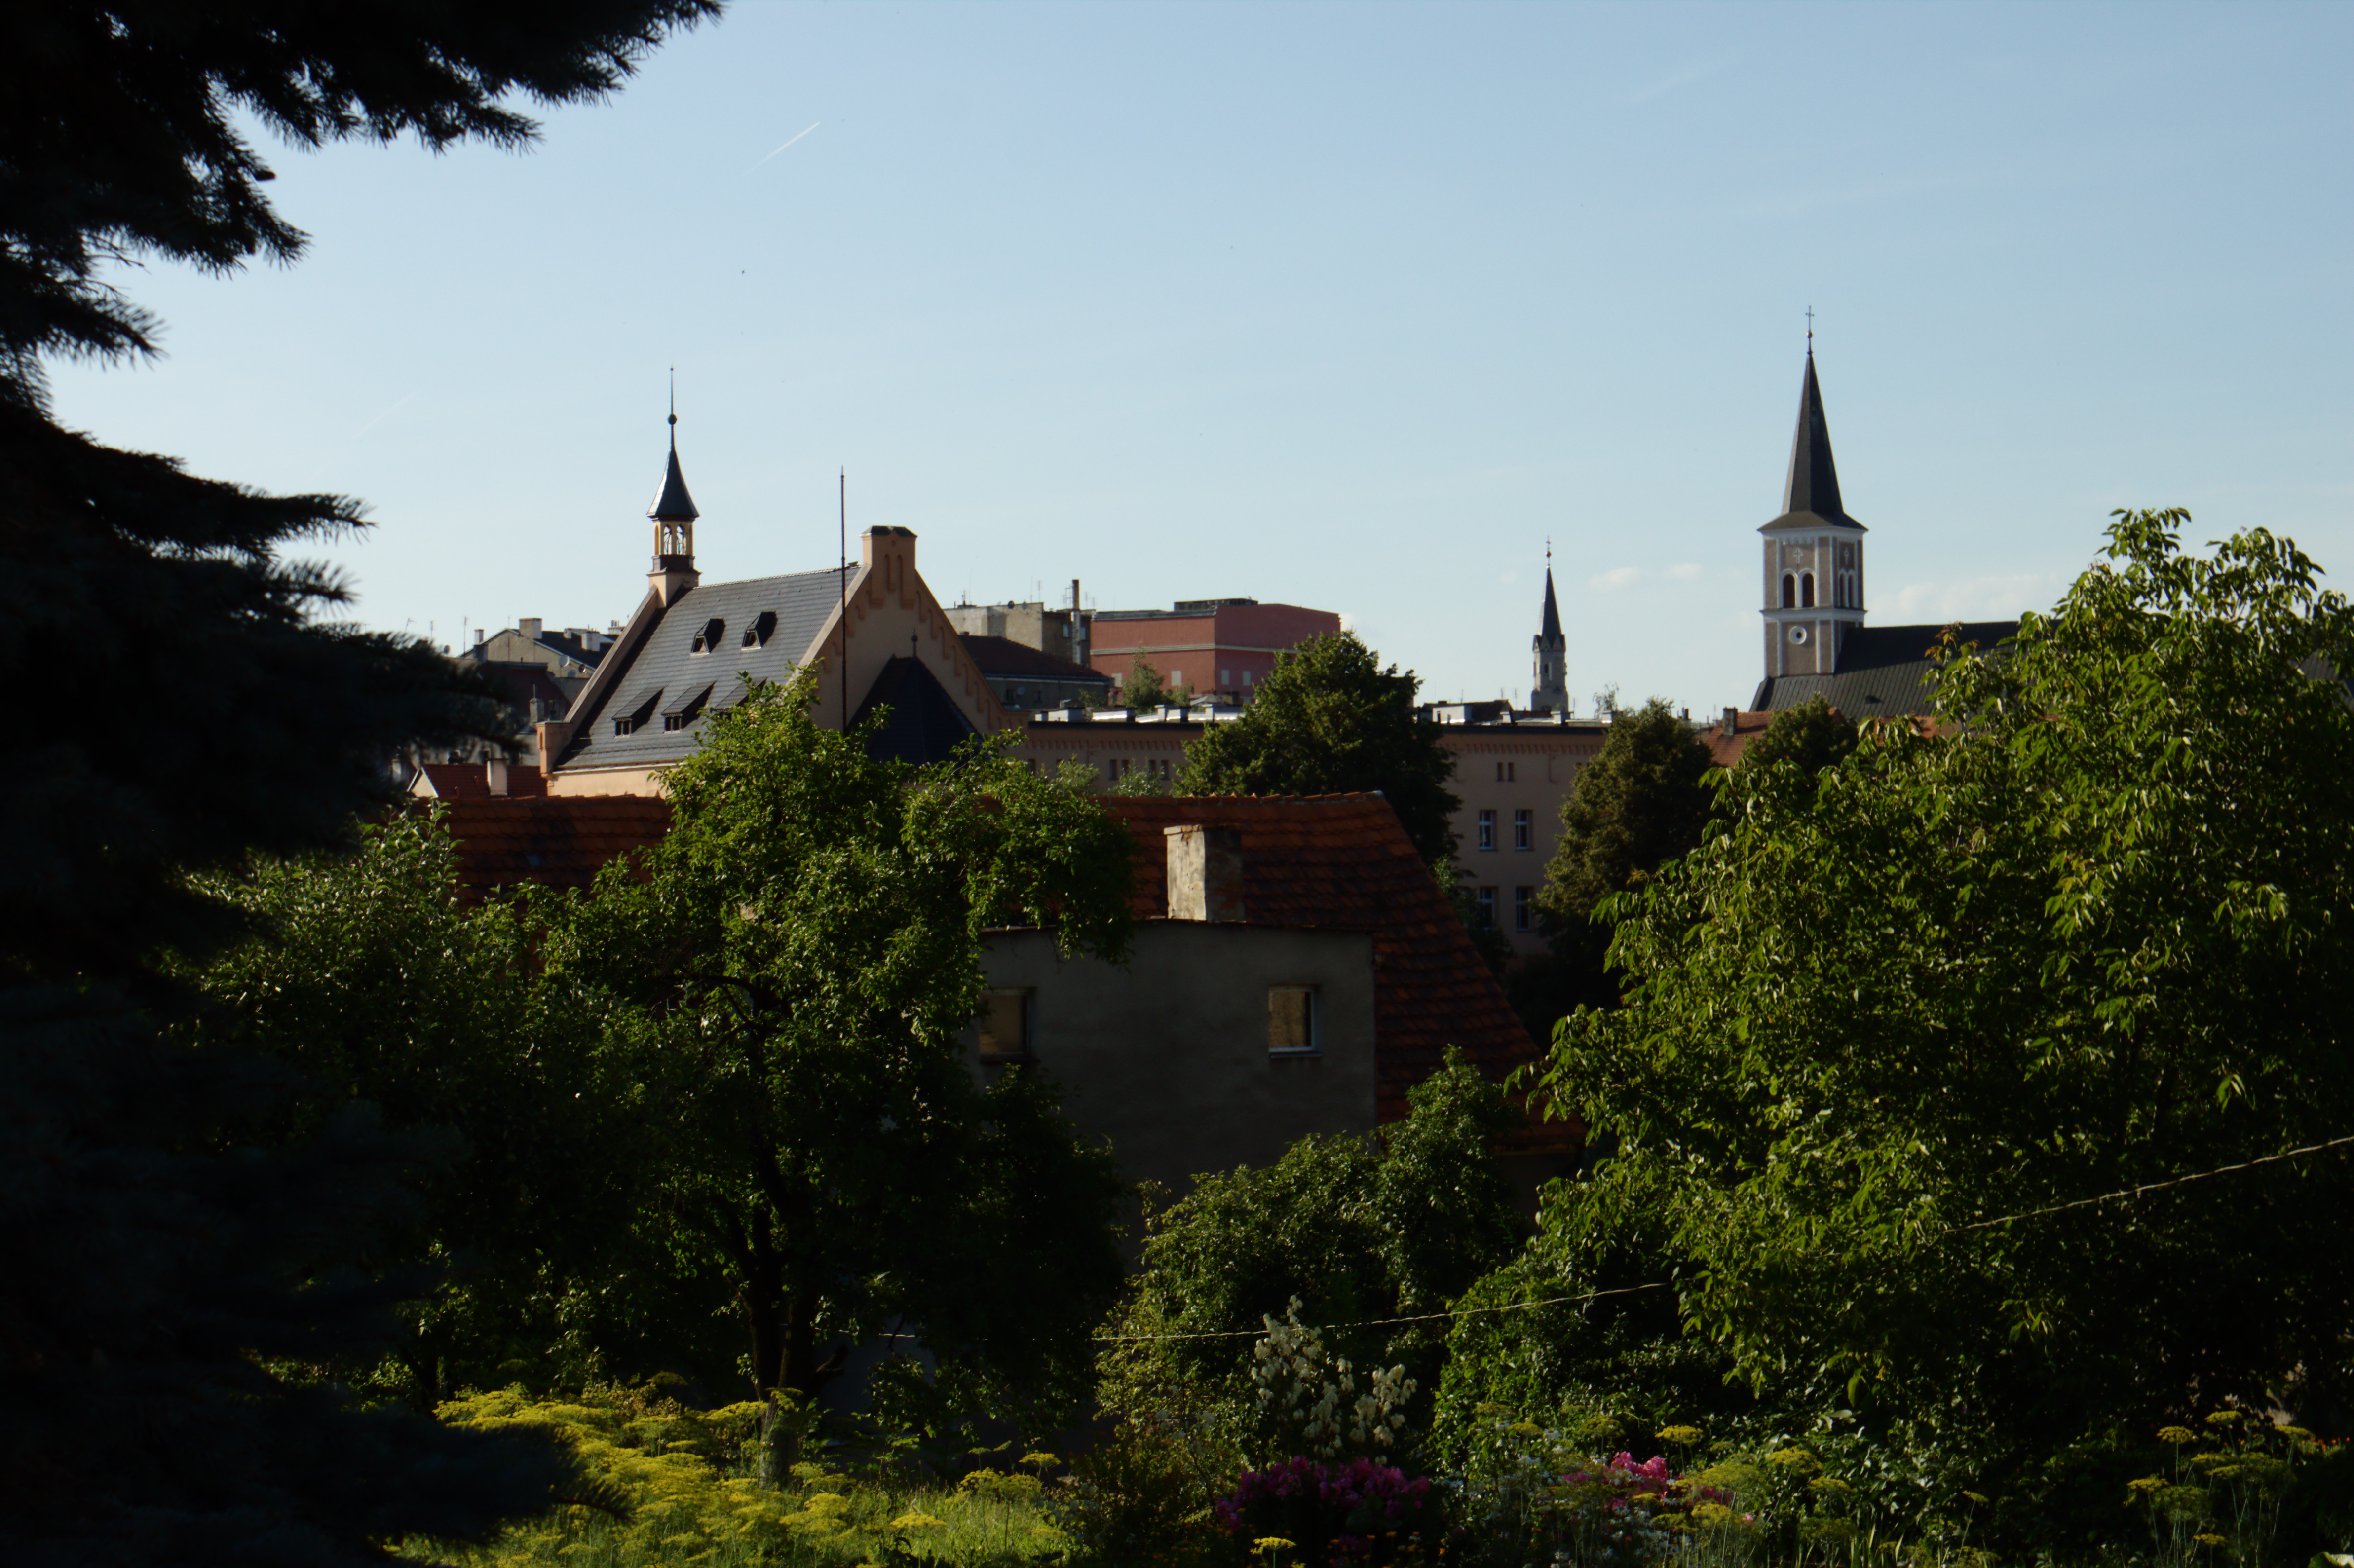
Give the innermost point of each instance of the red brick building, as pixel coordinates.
(1222, 646)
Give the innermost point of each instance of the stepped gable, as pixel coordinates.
(1343, 862)
(559, 841)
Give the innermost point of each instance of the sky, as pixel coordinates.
(1356, 307)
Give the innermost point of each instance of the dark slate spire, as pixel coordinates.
(1814, 481)
(1551, 631)
(674, 504)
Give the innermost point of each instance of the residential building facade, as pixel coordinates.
(1215, 647)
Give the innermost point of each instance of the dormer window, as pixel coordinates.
(708, 638)
(637, 717)
(757, 635)
(679, 715)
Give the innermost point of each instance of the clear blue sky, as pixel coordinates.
(1348, 306)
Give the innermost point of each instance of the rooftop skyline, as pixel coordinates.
(1345, 307)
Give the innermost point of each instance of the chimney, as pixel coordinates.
(1732, 723)
(495, 774)
(529, 627)
(1205, 873)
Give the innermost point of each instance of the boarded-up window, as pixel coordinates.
(1005, 1026)
(1291, 1021)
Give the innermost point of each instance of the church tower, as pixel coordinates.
(1814, 552)
(673, 513)
(1552, 693)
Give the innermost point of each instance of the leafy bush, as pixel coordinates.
(1358, 1514)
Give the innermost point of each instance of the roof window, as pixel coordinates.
(686, 711)
(708, 638)
(637, 718)
(757, 635)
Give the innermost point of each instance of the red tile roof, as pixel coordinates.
(1324, 862)
(471, 781)
(1748, 725)
(1342, 862)
(558, 842)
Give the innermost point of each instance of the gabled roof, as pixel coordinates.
(1003, 656)
(1550, 631)
(925, 726)
(1812, 497)
(471, 781)
(666, 669)
(1342, 862)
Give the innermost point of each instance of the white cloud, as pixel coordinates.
(1613, 580)
(1686, 573)
(1973, 598)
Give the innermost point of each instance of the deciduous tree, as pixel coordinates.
(810, 937)
(1331, 720)
(1897, 1033)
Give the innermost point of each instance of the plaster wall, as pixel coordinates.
(1167, 1057)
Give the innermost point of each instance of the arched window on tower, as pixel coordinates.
(1806, 591)
(1789, 591)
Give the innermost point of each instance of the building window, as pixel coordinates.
(1246, 677)
(1789, 591)
(708, 638)
(1486, 900)
(1507, 772)
(1487, 829)
(1806, 591)
(1176, 679)
(1120, 768)
(1225, 678)
(1524, 832)
(1522, 899)
(1005, 1026)
(1295, 1023)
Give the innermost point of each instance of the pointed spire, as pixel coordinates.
(674, 504)
(1814, 481)
(1550, 631)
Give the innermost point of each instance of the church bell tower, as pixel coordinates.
(1550, 694)
(1814, 552)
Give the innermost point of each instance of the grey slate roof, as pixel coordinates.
(1882, 670)
(1003, 656)
(674, 504)
(1551, 630)
(667, 673)
(1812, 497)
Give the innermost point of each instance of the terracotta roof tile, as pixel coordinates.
(1327, 861)
(1342, 862)
(558, 842)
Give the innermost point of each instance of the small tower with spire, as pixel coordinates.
(673, 513)
(1814, 551)
(1550, 694)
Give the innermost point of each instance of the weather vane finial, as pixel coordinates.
(674, 406)
(1810, 332)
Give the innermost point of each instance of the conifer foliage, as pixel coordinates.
(184, 702)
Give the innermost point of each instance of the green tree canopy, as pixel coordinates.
(2091, 937)
(1355, 1227)
(1329, 720)
(809, 937)
(1811, 736)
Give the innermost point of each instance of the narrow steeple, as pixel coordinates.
(1551, 693)
(673, 513)
(1814, 479)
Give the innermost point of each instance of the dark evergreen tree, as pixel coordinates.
(1330, 720)
(185, 704)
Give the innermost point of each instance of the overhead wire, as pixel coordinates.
(2134, 1192)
